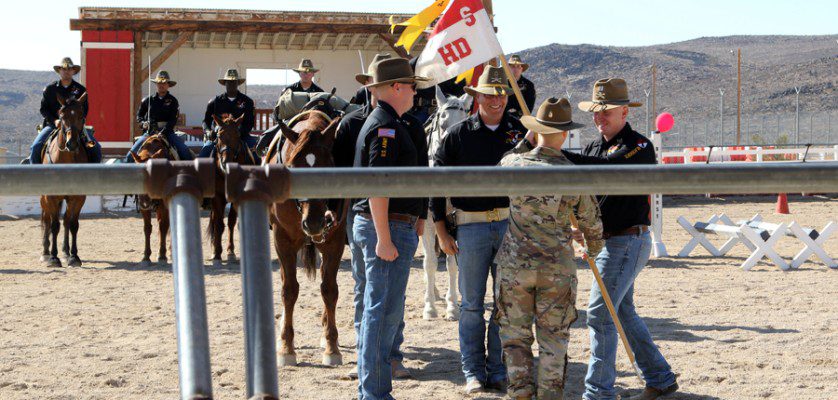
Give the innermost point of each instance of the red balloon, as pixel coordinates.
(664, 122)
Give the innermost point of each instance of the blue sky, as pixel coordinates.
(37, 33)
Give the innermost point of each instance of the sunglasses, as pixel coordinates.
(412, 85)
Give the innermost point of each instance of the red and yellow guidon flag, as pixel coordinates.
(462, 39)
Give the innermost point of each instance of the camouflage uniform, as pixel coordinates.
(537, 279)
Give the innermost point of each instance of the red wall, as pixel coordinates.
(108, 81)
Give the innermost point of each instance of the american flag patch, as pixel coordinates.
(387, 132)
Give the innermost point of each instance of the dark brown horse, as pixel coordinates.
(308, 225)
(65, 148)
(229, 147)
(154, 147)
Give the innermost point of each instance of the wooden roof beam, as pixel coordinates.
(274, 38)
(227, 39)
(323, 37)
(241, 42)
(353, 40)
(254, 26)
(337, 41)
(290, 41)
(164, 55)
(392, 43)
(211, 39)
(370, 38)
(305, 42)
(258, 39)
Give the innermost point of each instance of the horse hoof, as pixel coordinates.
(429, 313)
(231, 257)
(54, 262)
(286, 360)
(332, 360)
(74, 261)
(145, 263)
(162, 260)
(216, 263)
(452, 314)
(44, 258)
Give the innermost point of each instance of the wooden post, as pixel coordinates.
(392, 43)
(515, 89)
(654, 90)
(136, 88)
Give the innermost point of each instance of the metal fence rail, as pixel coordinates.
(476, 181)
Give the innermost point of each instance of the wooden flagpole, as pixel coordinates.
(515, 89)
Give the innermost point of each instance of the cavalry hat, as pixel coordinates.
(393, 70)
(163, 77)
(516, 60)
(231, 75)
(306, 66)
(493, 82)
(608, 93)
(362, 78)
(67, 63)
(553, 116)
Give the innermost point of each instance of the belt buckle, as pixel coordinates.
(493, 215)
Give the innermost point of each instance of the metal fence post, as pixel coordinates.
(252, 194)
(183, 185)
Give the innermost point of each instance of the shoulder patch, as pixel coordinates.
(387, 133)
(642, 143)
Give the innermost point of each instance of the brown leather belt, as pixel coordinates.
(410, 219)
(633, 230)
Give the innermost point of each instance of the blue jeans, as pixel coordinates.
(619, 263)
(94, 154)
(478, 244)
(384, 297)
(182, 151)
(209, 146)
(360, 277)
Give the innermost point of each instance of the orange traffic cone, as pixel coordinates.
(782, 204)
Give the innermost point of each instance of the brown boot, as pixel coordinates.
(651, 393)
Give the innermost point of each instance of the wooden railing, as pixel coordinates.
(264, 119)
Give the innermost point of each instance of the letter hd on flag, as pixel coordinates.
(463, 38)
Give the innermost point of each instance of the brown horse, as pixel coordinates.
(308, 225)
(154, 147)
(229, 147)
(65, 148)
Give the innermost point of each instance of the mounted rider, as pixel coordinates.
(233, 103)
(67, 88)
(161, 116)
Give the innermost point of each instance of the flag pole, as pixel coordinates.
(515, 89)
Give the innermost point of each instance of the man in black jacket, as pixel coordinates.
(159, 112)
(526, 86)
(67, 88)
(306, 83)
(231, 102)
(480, 140)
(625, 221)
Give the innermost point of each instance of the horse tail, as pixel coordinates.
(310, 260)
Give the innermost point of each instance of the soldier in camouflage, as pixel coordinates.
(536, 270)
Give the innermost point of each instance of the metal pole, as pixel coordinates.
(190, 299)
(72, 179)
(796, 115)
(811, 129)
(721, 116)
(647, 92)
(654, 89)
(738, 94)
(257, 291)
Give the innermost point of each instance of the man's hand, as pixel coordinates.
(446, 242)
(386, 250)
(530, 136)
(578, 237)
(420, 227)
(145, 125)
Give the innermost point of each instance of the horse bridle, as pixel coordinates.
(298, 203)
(64, 129)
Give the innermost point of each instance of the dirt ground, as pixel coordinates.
(106, 330)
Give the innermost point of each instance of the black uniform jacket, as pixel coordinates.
(385, 140)
(471, 143)
(297, 87)
(527, 92)
(50, 104)
(241, 105)
(627, 147)
(163, 109)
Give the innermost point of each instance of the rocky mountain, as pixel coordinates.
(689, 76)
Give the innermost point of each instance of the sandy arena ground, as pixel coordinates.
(106, 330)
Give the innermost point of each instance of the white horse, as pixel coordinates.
(450, 111)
